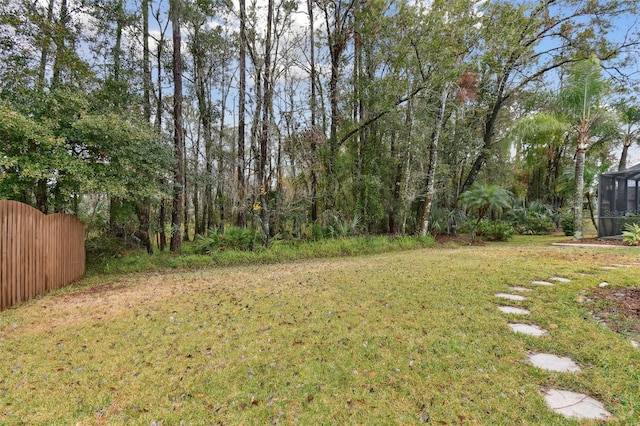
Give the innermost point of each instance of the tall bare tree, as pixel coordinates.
(178, 144)
(240, 161)
(263, 166)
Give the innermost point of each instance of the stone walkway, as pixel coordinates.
(570, 404)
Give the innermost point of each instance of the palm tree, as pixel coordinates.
(581, 104)
(483, 199)
(630, 119)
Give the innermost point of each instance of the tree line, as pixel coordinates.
(160, 120)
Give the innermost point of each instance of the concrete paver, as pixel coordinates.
(552, 362)
(540, 282)
(507, 296)
(531, 330)
(513, 310)
(575, 405)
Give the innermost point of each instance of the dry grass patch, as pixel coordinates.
(385, 339)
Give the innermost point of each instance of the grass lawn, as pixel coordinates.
(400, 338)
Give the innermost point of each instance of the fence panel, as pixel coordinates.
(38, 253)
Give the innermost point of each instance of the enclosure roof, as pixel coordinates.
(630, 173)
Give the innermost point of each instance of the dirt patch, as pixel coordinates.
(617, 308)
(596, 241)
(97, 290)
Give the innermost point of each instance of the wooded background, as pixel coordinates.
(157, 120)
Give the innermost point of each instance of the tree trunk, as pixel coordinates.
(433, 161)
(489, 130)
(198, 227)
(591, 214)
(407, 166)
(241, 219)
(42, 196)
(162, 214)
(313, 100)
(623, 157)
(114, 202)
(146, 65)
(117, 48)
(578, 196)
(143, 213)
(178, 173)
(397, 184)
(60, 41)
(224, 93)
(337, 38)
(263, 175)
(162, 220)
(143, 208)
(44, 53)
(202, 91)
(333, 126)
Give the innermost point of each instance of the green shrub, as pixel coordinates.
(445, 221)
(535, 219)
(494, 230)
(466, 227)
(339, 227)
(631, 234)
(534, 225)
(629, 218)
(99, 247)
(239, 239)
(566, 222)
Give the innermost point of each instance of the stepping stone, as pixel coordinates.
(547, 283)
(510, 296)
(512, 310)
(575, 405)
(635, 344)
(531, 330)
(560, 279)
(520, 289)
(553, 363)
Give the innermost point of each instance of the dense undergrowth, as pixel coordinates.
(201, 254)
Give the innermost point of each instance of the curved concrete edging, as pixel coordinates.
(587, 245)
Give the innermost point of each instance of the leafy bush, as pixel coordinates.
(566, 222)
(101, 246)
(494, 230)
(339, 227)
(631, 234)
(536, 219)
(629, 218)
(484, 199)
(445, 221)
(534, 224)
(240, 239)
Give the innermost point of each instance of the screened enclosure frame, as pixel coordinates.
(618, 200)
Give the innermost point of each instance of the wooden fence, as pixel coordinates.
(38, 252)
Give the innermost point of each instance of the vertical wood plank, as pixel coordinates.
(3, 257)
(38, 253)
(15, 274)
